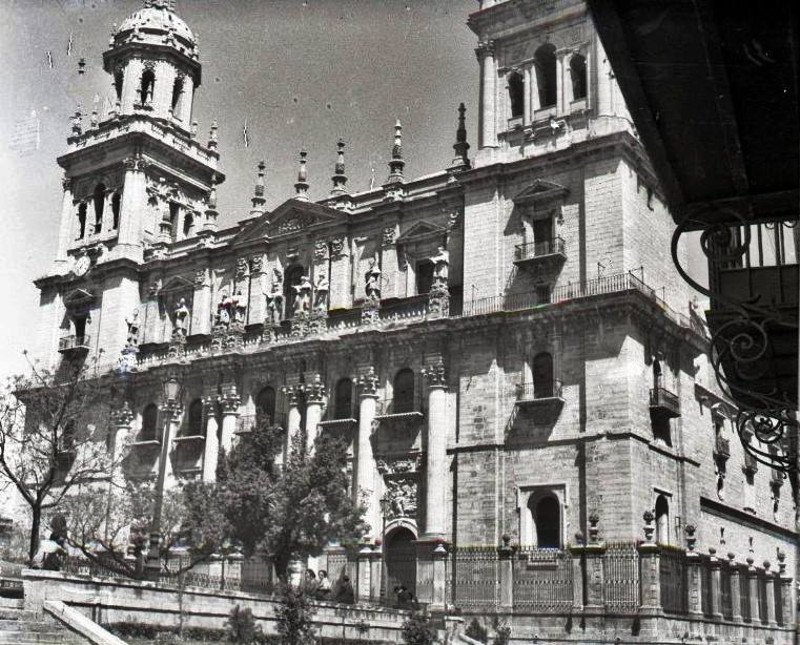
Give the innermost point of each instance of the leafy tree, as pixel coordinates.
(288, 513)
(294, 614)
(242, 626)
(54, 433)
(417, 630)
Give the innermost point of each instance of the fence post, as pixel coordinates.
(788, 608)
(439, 577)
(595, 578)
(716, 584)
(578, 562)
(736, 598)
(752, 590)
(505, 556)
(363, 583)
(694, 577)
(649, 556)
(769, 582)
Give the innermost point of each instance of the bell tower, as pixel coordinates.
(136, 178)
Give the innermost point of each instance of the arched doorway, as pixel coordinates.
(401, 561)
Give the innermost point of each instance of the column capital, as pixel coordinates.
(315, 390)
(230, 404)
(171, 410)
(485, 48)
(123, 417)
(292, 393)
(436, 374)
(368, 383)
(66, 183)
(211, 402)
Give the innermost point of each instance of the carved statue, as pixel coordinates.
(181, 315)
(321, 294)
(224, 310)
(302, 298)
(402, 498)
(372, 278)
(441, 266)
(239, 307)
(133, 329)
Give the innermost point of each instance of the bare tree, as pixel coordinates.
(55, 435)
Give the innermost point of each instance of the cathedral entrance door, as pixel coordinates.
(401, 561)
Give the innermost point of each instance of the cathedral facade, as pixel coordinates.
(519, 371)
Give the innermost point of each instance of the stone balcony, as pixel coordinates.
(74, 345)
(664, 402)
(538, 396)
(536, 254)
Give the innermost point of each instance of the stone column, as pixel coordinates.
(293, 416)
(230, 414)
(716, 584)
(578, 564)
(130, 86)
(68, 223)
(752, 589)
(211, 448)
(366, 474)
(315, 397)
(526, 75)
(788, 606)
(170, 413)
(436, 472)
(363, 586)
(487, 116)
(132, 208)
(505, 555)
(561, 106)
(736, 598)
(770, 592)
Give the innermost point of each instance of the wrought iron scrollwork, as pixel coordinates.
(742, 345)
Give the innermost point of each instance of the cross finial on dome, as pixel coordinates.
(397, 163)
(169, 5)
(339, 178)
(301, 186)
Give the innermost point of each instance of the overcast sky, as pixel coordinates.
(302, 73)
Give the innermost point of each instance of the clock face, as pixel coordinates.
(82, 265)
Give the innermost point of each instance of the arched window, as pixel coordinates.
(118, 78)
(543, 376)
(177, 97)
(81, 220)
(424, 275)
(662, 520)
(403, 391)
(343, 407)
(546, 80)
(194, 425)
(546, 512)
(265, 405)
(99, 206)
(146, 87)
(577, 70)
(293, 277)
(149, 423)
(516, 94)
(116, 201)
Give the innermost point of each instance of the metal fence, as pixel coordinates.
(476, 577)
(621, 562)
(543, 580)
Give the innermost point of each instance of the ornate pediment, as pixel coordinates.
(421, 231)
(291, 217)
(541, 191)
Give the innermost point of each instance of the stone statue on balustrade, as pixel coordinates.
(239, 307)
(321, 290)
(372, 279)
(302, 297)
(224, 306)
(180, 320)
(133, 329)
(441, 266)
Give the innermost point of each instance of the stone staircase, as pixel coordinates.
(21, 627)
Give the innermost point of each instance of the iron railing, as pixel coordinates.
(538, 391)
(722, 446)
(476, 577)
(621, 565)
(543, 580)
(533, 250)
(673, 581)
(662, 399)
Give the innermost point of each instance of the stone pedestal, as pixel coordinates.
(716, 585)
(363, 586)
(439, 600)
(736, 598)
(788, 606)
(595, 578)
(650, 556)
(376, 576)
(505, 555)
(578, 560)
(695, 583)
(752, 589)
(770, 585)
(432, 573)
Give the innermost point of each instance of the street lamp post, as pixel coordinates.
(384, 502)
(171, 407)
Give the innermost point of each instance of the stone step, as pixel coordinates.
(50, 637)
(11, 603)
(16, 614)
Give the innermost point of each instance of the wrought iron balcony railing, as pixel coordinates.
(552, 249)
(532, 393)
(750, 464)
(74, 344)
(665, 402)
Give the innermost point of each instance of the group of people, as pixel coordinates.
(319, 586)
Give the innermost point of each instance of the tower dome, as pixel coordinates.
(157, 24)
